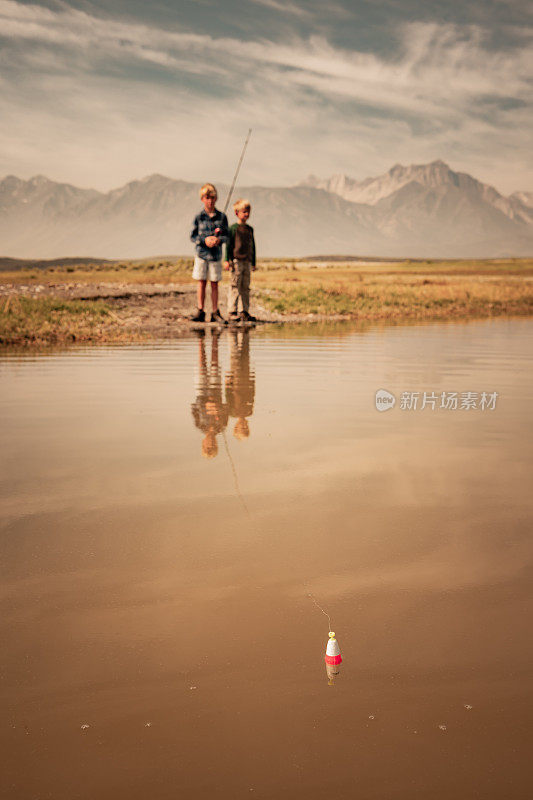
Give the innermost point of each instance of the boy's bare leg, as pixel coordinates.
(214, 294)
(200, 291)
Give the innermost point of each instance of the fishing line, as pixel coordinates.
(234, 471)
(321, 609)
(243, 502)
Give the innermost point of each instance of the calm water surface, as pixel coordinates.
(167, 511)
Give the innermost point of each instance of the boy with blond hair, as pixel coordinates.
(209, 232)
(240, 258)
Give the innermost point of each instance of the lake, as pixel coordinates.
(174, 518)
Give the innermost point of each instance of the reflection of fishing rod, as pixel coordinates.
(235, 477)
(239, 164)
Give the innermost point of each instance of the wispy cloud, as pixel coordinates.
(284, 8)
(430, 100)
(438, 63)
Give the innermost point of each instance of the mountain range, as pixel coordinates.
(418, 211)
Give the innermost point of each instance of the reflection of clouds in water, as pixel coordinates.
(211, 410)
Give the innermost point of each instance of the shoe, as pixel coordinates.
(216, 316)
(246, 317)
(199, 316)
(234, 317)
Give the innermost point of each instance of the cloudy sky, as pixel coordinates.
(98, 93)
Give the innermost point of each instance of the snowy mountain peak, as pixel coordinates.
(372, 190)
(526, 198)
(39, 180)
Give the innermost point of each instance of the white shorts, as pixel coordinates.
(204, 270)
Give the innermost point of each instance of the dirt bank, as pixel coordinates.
(114, 312)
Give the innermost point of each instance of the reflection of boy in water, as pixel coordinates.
(209, 411)
(240, 383)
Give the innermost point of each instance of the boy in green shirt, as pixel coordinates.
(240, 258)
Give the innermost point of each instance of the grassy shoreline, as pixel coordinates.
(25, 320)
(40, 306)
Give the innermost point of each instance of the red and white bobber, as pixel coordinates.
(333, 658)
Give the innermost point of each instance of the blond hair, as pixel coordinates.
(242, 205)
(241, 429)
(209, 445)
(208, 188)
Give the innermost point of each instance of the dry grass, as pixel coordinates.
(380, 295)
(178, 270)
(369, 291)
(48, 320)
(144, 271)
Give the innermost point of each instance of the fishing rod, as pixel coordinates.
(239, 164)
(237, 170)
